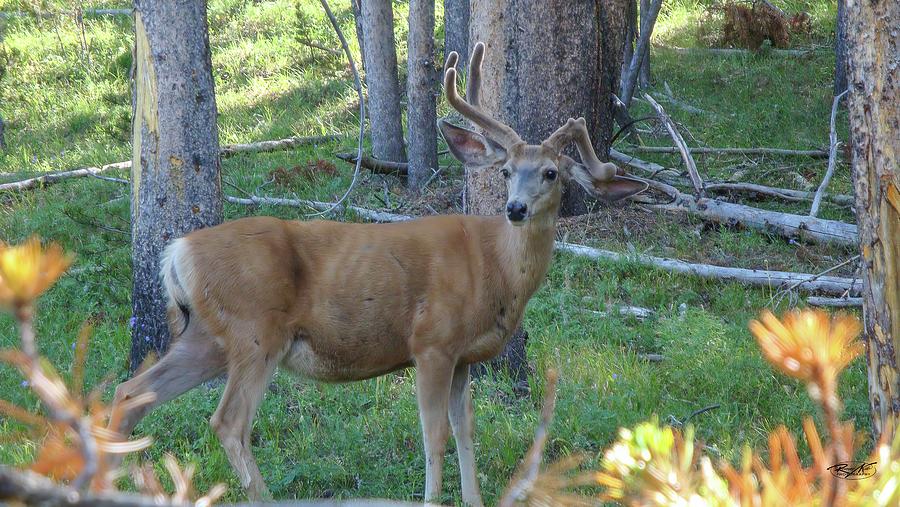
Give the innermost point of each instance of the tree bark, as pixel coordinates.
(840, 48)
(644, 75)
(358, 24)
(631, 24)
(382, 81)
(176, 183)
(546, 62)
(421, 84)
(456, 30)
(874, 104)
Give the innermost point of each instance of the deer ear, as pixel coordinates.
(615, 189)
(471, 148)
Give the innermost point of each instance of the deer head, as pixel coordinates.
(534, 174)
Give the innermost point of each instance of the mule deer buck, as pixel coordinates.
(337, 302)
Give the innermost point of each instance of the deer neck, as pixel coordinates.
(525, 252)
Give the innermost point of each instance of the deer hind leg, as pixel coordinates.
(434, 372)
(462, 421)
(194, 358)
(233, 420)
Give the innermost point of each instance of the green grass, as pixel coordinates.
(362, 439)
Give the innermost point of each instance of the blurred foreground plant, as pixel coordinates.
(79, 432)
(654, 465)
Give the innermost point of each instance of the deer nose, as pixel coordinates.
(516, 211)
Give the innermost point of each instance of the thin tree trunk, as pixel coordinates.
(873, 49)
(631, 24)
(358, 24)
(382, 81)
(456, 30)
(421, 119)
(176, 183)
(644, 74)
(840, 48)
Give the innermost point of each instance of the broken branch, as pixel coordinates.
(48, 179)
(679, 142)
(832, 155)
(375, 165)
(842, 302)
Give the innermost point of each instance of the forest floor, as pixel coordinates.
(68, 108)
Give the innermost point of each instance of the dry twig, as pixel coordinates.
(832, 155)
(696, 180)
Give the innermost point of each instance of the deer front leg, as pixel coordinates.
(434, 372)
(462, 421)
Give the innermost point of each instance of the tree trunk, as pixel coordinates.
(456, 30)
(421, 119)
(631, 25)
(546, 62)
(873, 49)
(176, 184)
(644, 75)
(382, 81)
(840, 49)
(358, 24)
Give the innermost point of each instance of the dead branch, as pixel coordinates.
(832, 155)
(375, 165)
(652, 358)
(657, 171)
(521, 485)
(683, 105)
(841, 302)
(316, 45)
(786, 194)
(368, 214)
(357, 82)
(28, 488)
(289, 143)
(48, 179)
(682, 146)
(734, 151)
(772, 279)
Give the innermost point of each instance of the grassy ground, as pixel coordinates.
(363, 439)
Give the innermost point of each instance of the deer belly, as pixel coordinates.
(341, 361)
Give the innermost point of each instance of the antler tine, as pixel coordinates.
(450, 63)
(576, 130)
(498, 131)
(473, 83)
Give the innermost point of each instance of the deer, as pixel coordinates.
(340, 302)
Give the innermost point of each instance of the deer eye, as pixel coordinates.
(550, 174)
(505, 172)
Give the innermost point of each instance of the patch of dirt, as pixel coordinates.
(313, 170)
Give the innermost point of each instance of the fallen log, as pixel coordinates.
(277, 145)
(375, 165)
(783, 224)
(48, 179)
(842, 302)
(735, 151)
(772, 279)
